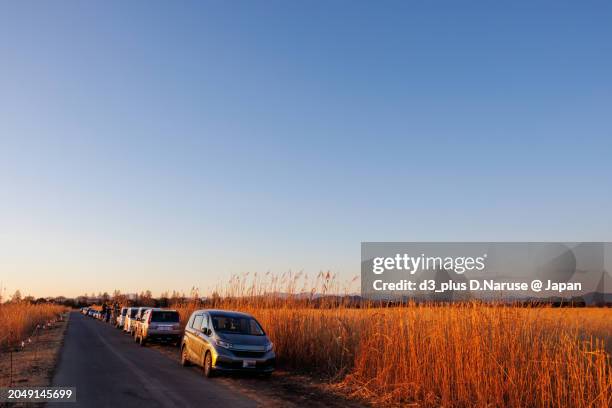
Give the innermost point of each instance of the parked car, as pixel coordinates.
(130, 318)
(120, 320)
(138, 319)
(225, 341)
(159, 325)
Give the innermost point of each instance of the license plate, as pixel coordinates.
(164, 328)
(249, 363)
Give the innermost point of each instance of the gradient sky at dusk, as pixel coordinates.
(165, 145)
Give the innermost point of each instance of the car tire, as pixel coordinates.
(184, 357)
(207, 367)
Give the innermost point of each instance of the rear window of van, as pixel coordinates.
(165, 316)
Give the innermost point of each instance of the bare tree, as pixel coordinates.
(16, 298)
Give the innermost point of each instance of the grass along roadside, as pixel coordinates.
(18, 320)
(30, 361)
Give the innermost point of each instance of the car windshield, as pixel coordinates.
(236, 325)
(123, 312)
(133, 313)
(165, 317)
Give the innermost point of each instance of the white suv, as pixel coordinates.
(130, 319)
(121, 318)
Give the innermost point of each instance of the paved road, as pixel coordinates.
(110, 370)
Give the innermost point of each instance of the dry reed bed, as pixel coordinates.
(474, 355)
(18, 320)
(459, 355)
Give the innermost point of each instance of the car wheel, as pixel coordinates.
(184, 358)
(209, 372)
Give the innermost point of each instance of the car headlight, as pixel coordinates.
(224, 344)
(269, 346)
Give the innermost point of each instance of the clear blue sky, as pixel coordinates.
(165, 145)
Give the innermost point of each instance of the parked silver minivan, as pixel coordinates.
(159, 324)
(225, 341)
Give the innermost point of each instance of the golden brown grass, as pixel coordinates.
(460, 355)
(475, 355)
(18, 320)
